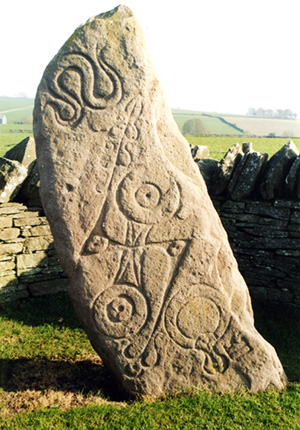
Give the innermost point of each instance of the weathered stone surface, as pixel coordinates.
(226, 168)
(12, 174)
(208, 168)
(9, 233)
(292, 181)
(28, 220)
(200, 152)
(23, 152)
(246, 146)
(37, 243)
(10, 248)
(6, 266)
(152, 276)
(5, 222)
(11, 208)
(246, 175)
(30, 190)
(40, 230)
(272, 183)
(48, 287)
(29, 261)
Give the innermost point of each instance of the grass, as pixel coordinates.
(212, 123)
(11, 134)
(50, 378)
(225, 124)
(218, 146)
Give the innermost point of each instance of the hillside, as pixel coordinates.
(265, 126)
(18, 112)
(236, 125)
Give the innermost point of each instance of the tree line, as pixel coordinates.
(270, 113)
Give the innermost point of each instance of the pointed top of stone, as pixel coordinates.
(23, 152)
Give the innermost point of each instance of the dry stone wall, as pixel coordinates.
(28, 262)
(265, 238)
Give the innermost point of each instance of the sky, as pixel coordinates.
(212, 55)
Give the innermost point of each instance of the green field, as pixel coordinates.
(240, 125)
(19, 117)
(11, 134)
(51, 379)
(219, 145)
(19, 112)
(213, 124)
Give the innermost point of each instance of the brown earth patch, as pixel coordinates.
(31, 384)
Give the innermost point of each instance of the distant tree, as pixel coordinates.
(269, 113)
(22, 95)
(194, 127)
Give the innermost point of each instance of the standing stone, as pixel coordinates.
(152, 275)
(273, 181)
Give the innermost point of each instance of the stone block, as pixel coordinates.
(208, 168)
(259, 209)
(23, 152)
(30, 190)
(9, 233)
(10, 294)
(290, 204)
(48, 287)
(29, 261)
(11, 208)
(292, 188)
(295, 217)
(226, 168)
(6, 282)
(246, 175)
(200, 152)
(272, 184)
(6, 266)
(40, 230)
(12, 174)
(27, 214)
(32, 221)
(37, 243)
(5, 221)
(11, 248)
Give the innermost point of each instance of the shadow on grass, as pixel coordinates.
(278, 324)
(83, 377)
(37, 311)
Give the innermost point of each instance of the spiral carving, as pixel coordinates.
(78, 81)
(148, 198)
(120, 311)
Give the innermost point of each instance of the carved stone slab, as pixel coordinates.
(153, 279)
